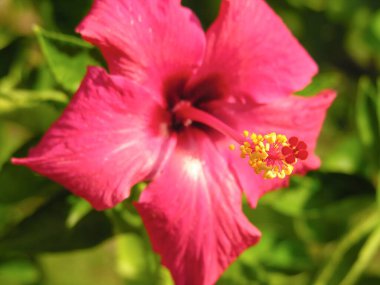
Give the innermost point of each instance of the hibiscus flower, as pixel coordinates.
(173, 101)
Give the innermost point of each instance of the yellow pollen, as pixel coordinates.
(265, 156)
(232, 147)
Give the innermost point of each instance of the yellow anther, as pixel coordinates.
(281, 139)
(281, 174)
(269, 175)
(288, 169)
(232, 147)
(264, 153)
(271, 138)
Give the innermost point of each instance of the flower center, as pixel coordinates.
(272, 155)
(179, 121)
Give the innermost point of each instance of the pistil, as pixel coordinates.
(185, 111)
(272, 155)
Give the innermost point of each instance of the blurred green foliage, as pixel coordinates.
(324, 229)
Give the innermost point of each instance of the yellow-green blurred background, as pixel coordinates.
(323, 230)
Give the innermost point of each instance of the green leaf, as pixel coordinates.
(18, 271)
(297, 195)
(339, 256)
(12, 136)
(90, 266)
(267, 219)
(336, 201)
(68, 57)
(34, 110)
(342, 155)
(288, 255)
(366, 113)
(322, 81)
(366, 254)
(321, 204)
(80, 208)
(124, 216)
(46, 230)
(21, 99)
(137, 263)
(5, 37)
(19, 183)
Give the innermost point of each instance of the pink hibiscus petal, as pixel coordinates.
(149, 41)
(193, 213)
(297, 116)
(107, 139)
(250, 52)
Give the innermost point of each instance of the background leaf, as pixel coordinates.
(68, 57)
(46, 230)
